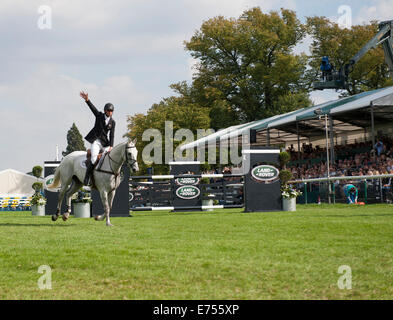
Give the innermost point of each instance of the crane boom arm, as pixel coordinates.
(339, 80)
(388, 49)
(383, 36)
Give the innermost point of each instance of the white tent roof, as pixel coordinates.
(379, 97)
(16, 183)
(211, 137)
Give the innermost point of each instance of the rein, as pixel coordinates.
(119, 163)
(116, 174)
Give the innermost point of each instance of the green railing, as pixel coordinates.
(371, 189)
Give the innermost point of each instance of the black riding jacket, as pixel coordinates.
(100, 130)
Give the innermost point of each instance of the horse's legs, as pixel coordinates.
(105, 203)
(62, 192)
(75, 186)
(111, 196)
(102, 197)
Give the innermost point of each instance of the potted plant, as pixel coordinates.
(81, 201)
(288, 193)
(38, 201)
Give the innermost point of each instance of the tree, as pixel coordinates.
(247, 64)
(219, 110)
(340, 45)
(74, 140)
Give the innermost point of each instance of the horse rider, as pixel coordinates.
(101, 136)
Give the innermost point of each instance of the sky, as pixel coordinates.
(127, 52)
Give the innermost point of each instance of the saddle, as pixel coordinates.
(88, 157)
(88, 160)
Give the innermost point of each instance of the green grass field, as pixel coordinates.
(225, 254)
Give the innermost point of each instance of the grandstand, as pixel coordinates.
(356, 159)
(345, 132)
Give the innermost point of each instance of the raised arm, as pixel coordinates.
(85, 96)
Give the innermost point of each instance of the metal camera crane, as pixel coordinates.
(332, 79)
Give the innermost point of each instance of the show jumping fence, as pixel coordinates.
(226, 190)
(258, 189)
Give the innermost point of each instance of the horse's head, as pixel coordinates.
(132, 155)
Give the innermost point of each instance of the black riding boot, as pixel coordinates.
(89, 171)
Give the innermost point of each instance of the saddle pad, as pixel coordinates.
(83, 162)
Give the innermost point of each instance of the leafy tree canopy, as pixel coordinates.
(247, 64)
(340, 45)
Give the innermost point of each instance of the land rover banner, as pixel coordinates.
(265, 173)
(187, 181)
(188, 192)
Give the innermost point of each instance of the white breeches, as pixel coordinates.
(96, 148)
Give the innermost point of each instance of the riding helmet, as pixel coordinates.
(109, 107)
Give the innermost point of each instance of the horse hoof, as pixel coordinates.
(96, 218)
(54, 217)
(65, 217)
(109, 225)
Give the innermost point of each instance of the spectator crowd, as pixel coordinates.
(357, 159)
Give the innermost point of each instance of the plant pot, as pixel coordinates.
(207, 203)
(82, 210)
(289, 204)
(38, 210)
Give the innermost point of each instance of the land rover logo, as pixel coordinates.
(48, 181)
(187, 181)
(188, 192)
(265, 173)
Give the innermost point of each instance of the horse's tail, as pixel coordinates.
(56, 179)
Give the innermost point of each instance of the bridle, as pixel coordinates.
(128, 160)
(117, 174)
(133, 160)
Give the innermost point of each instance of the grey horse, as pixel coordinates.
(70, 173)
